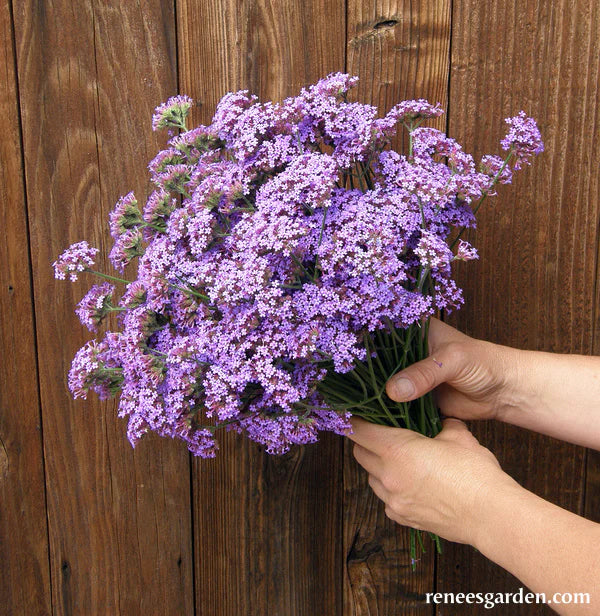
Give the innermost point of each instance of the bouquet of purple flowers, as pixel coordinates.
(288, 263)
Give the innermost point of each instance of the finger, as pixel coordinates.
(455, 430)
(367, 459)
(378, 489)
(378, 439)
(425, 375)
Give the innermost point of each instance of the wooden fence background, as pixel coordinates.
(90, 527)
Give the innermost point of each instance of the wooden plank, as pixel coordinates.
(24, 569)
(533, 285)
(120, 527)
(267, 529)
(400, 50)
(592, 188)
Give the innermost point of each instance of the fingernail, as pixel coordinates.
(402, 388)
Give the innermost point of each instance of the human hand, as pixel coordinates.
(434, 484)
(475, 379)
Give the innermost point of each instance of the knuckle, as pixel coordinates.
(454, 354)
(396, 504)
(388, 482)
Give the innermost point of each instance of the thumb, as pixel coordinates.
(456, 430)
(452, 426)
(420, 378)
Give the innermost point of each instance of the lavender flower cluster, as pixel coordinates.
(277, 241)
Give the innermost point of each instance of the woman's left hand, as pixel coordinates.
(434, 484)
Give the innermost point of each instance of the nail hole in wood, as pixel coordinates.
(386, 23)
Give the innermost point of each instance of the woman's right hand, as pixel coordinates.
(473, 379)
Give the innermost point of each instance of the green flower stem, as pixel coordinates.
(412, 548)
(180, 125)
(420, 538)
(102, 275)
(115, 279)
(374, 380)
(436, 540)
(249, 203)
(362, 384)
(359, 177)
(379, 363)
(188, 290)
(390, 415)
(299, 263)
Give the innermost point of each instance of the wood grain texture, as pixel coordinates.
(399, 50)
(119, 520)
(533, 286)
(592, 188)
(267, 529)
(24, 569)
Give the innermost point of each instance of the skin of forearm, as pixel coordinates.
(553, 394)
(549, 549)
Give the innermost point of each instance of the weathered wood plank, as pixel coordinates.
(91, 73)
(400, 50)
(533, 286)
(24, 569)
(267, 529)
(592, 188)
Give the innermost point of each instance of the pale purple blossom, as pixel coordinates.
(523, 139)
(465, 252)
(433, 252)
(94, 367)
(127, 246)
(95, 305)
(75, 259)
(409, 111)
(125, 215)
(494, 166)
(172, 113)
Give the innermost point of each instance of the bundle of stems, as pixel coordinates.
(362, 391)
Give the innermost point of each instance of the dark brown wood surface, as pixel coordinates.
(24, 570)
(119, 521)
(90, 526)
(533, 286)
(396, 50)
(270, 525)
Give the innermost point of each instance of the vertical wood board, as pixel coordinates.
(119, 520)
(24, 570)
(399, 50)
(533, 285)
(271, 525)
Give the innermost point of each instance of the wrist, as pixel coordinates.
(494, 509)
(515, 396)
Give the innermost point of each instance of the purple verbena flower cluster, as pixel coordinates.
(278, 245)
(523, 138)
(95, 305)
(76, 259)
(172, 113)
